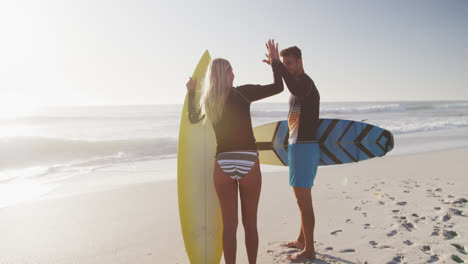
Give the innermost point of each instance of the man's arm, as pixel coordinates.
(298, 87)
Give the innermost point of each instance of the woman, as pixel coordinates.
(237, 166)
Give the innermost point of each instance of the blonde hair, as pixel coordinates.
(216, 90)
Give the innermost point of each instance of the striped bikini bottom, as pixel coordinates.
(236, 164)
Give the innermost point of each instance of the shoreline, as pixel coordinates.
(42, 182)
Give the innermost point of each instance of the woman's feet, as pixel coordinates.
(304, 255)
(295, 244)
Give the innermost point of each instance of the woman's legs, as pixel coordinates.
(226, 188)
(250, 186)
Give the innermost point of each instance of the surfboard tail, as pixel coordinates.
(390, 142)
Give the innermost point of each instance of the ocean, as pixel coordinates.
(50, 147)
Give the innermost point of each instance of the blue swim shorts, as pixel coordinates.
(304, 159)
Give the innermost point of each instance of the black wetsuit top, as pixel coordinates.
(304, 106)
(234, 128)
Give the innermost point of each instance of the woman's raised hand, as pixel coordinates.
(191, 84)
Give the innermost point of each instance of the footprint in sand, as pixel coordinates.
(408, 226)
(334, 233)
(349, 221)
(426, 249)
(381, 202)
(450, 234)
(402, 203)
(447, 216)
(395, 211)
(329, 248)
(367, 226)
(384, 247)
(398, 259)
(394, 232)
(373, 243)
(434, 258)
(457, 259)
(456, 212)
(460, 202)
(431, 193)
(443, 201)
(460, 248)
(348, 250)
(417, 220)
(436, 231)
(407, 242)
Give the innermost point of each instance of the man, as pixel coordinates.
(303, 149)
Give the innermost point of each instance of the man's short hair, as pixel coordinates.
(292, 51)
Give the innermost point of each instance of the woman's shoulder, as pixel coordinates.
(241, 92)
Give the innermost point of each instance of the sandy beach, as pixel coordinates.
(396, 209)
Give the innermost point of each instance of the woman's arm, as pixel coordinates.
(256, 92)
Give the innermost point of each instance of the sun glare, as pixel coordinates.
(13, 109)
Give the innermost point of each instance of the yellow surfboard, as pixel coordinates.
(199, 210)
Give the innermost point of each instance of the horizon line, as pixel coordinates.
(285, 102)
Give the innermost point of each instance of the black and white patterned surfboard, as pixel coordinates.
(341, 141)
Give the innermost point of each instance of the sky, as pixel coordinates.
(133, 52)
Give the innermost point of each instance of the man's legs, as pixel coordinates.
(304, 201)
(303, 163)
